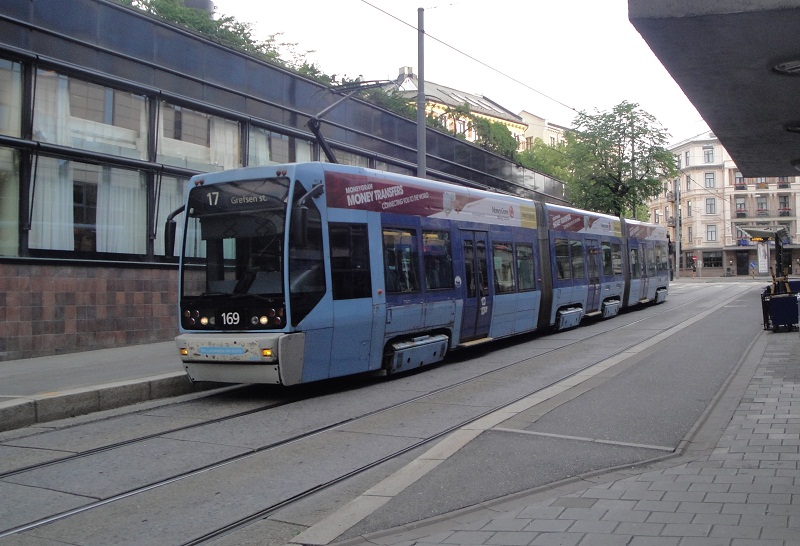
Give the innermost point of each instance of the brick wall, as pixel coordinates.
(52, 309)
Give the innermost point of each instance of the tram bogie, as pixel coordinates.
(302, 272)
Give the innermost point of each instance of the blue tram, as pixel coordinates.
(302, 272)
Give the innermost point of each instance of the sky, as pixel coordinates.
(552, 58)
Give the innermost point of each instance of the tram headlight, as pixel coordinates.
(194, 317)
(263, 321)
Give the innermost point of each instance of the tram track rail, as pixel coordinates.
(270, 510)
(274, 507)
(252, 411)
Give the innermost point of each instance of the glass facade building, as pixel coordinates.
(100, 131)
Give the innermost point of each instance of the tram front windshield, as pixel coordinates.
(234, 238)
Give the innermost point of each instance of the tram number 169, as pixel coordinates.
(230, 319)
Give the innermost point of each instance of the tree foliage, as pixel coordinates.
(489, 135)
(619, 159)
(394, 101)
(551, 160)
(495, 137)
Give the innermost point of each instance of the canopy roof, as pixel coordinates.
(738, 62)
(767, 233)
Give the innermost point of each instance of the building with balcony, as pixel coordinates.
(710, 205)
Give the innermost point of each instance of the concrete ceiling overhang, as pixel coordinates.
(722, 54)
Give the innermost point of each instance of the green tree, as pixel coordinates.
(394, 101)
(456, 113)
(619, 160)
(489, 135)
(546, 159)
(495, 137)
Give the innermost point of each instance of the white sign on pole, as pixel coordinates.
(763, 257)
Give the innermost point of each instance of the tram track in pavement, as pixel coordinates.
(299, 437)
(292, 399)
(270, 510)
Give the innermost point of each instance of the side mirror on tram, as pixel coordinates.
(170, 229)
(299, 233)
(298, 230)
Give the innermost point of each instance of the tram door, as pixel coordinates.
(593, 297)
(353, 306)
(475, 280)
(648, 269)
(638, 265)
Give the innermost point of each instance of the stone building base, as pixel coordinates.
(54, 308)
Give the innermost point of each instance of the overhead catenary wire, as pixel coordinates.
(474, 59)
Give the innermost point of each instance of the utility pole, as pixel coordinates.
(422, 146)
(677, 227)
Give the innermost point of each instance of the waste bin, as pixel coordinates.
(780, 310)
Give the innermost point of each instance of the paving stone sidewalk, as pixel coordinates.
(736, 483)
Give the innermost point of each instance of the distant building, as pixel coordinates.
(440, 100)
(538, 127)
(716, 203)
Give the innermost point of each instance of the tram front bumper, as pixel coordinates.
(243, 358)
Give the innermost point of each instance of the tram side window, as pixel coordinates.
(503, 259)
(525, 271)
(437, 257)
(578, 265)
(662, 259)
(350, 273)
(400, 260)
(563, 268)
(636, 266)
(616, 258)
(607, 257)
